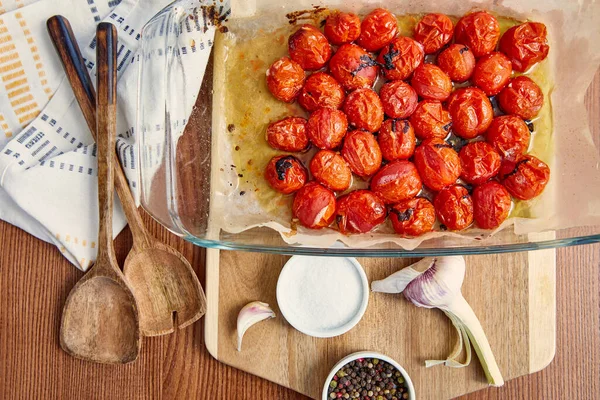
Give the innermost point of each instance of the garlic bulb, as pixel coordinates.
(249, 315)
(436, 283)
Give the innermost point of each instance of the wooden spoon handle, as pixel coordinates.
(106, 120)
(67, 48)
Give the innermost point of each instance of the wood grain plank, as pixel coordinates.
(391, 325)
(33, 366)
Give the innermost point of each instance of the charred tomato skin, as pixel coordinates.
(437, 163)
(377, 30)
(353, 67)
(362, 153)
(326, 128)
(521, 97)
(509, 136)
(479, 162)
(525, 178)
(491, 205)
(457, 61)
(471, 112)
(285, 79)
(396, 140)
(413, 217)
(331, 170)
(288, 134)
(399, 99)
(431, 120)
(480, 31)
(342, 28)
(434, 31)
(430, 82)
(314, 206)
(286, 174)
(360, 211)
(400, 58)
(309, 48)
(396, 181)
(492, 73)
(364, 110)
(321, 90)
(454, 207)
(525, 45)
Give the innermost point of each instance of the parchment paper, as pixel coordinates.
(572, 197)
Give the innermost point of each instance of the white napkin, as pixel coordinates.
(48, 182)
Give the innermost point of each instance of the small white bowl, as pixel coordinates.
(368, 354)
(291, 311)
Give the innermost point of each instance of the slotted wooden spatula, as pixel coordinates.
(162, 280)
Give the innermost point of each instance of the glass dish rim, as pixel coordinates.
(395, 253)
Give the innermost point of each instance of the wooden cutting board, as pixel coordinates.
(512, 294)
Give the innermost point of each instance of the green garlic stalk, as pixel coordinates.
(435, 282)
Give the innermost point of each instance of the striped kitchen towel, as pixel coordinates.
(48, 166)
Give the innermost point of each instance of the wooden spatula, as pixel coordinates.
(100, 319)
(162, 280)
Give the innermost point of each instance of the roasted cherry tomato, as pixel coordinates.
(521, 97)
(331, 170)
(430, 82)
(397, 181)
(471, 112)
(457, 61)
(327, 127)
(509, 136)
(480, 31)
(288, 134)
(492, 73)
(525, 45)
(479, 162)
(399, 99)
(353, 67)
(434, 31)
(378, 29)
(364, 110)
(396, 140)
(362, 153)
(360, 212)
(314, 206)
(438, 164)
(342, 28)
(430, 120)
(400, 58)
(309, 48)
(525, 178)
(286, 174)
(491, 205)
(285, 78)
(321, 90)
(454, 207)
(413, 217)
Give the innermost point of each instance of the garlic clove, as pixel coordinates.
(398, 281)
(249, 315)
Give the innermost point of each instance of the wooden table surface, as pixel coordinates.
(35, 281)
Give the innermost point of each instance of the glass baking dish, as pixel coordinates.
(176, 131)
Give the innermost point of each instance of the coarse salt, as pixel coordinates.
(320, 295)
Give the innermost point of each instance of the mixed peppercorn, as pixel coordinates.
(403, 138)
(368, 379)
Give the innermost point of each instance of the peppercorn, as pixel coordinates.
(370, 379)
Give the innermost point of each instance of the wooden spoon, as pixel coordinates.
(162, 280)
(100, 319)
